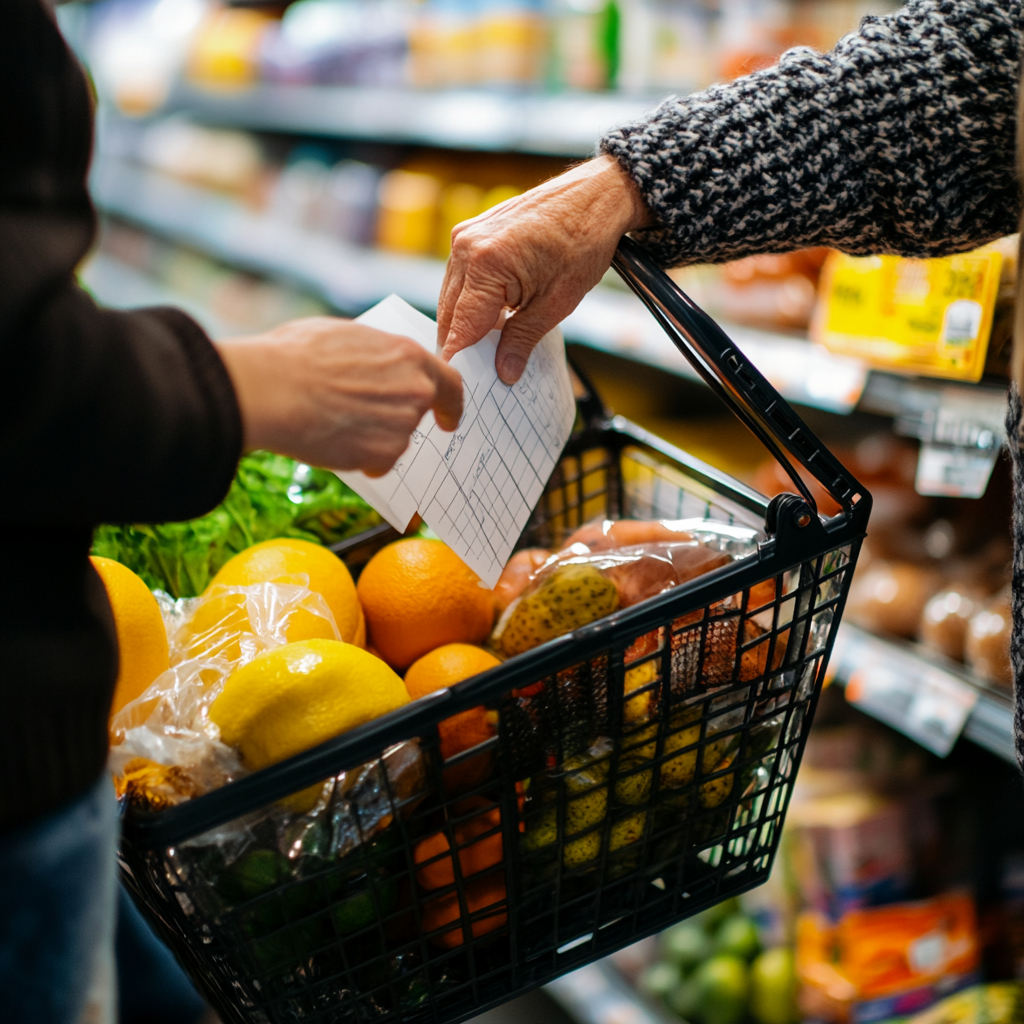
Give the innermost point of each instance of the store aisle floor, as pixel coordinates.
(534, 1008)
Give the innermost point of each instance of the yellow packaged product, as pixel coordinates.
(931, 317)
(408, 205)
(226, 48)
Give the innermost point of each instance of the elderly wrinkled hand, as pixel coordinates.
(337, 393)
(537, 255)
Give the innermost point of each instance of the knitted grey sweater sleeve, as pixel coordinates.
(901, 140)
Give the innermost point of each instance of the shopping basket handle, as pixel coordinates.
(734, 378)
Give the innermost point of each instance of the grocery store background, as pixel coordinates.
(263, 162)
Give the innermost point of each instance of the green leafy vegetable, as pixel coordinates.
(271, 496)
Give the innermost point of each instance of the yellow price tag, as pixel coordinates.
(930, 317)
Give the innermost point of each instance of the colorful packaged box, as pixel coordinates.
(850, 850)
(886, 962)
(931, 317)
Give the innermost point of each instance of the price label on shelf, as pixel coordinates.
(921, 700)
(960, 436)
(954, 472)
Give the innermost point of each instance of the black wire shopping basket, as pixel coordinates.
(639, 771)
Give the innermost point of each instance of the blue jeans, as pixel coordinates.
(58, 894)
(58, 886)
(151, 987)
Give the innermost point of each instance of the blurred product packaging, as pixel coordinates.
(339, 42)
(467, 42)
(407, 218)
(225, 51)
(851, 849)
(136, 49)
(884, 962)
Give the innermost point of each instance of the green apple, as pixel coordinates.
(659, 979)
(722, 990)
(773, 987)
(686, 945)
(684, 999)
(737, 935)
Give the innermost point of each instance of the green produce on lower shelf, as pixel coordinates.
(271, 496)
(722, 987)
(773, 986)
(737, 936)
(711, 970)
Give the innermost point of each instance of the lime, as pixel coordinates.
(685, 999)
(737, 935)
(659, 979)
(722, 990)
(686, 945)
(253, 874)
(773, 987)
(712, 917)
(358, 911)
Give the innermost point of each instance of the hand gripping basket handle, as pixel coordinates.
(736, 380)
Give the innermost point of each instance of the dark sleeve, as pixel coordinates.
(114, 416)
(901, 140)
(106, 416)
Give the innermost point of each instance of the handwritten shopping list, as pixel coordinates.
(476, 487)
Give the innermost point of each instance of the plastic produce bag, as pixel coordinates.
(298, 872)
(595, 575)
(164, 748)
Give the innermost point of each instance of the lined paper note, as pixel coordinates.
(476, 487)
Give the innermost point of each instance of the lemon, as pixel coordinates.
(291, 698)
(141, 637)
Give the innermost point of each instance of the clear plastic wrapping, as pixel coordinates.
(595, 574)
(165, 749)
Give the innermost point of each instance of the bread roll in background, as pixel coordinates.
(946, 616)
(889, 597)
(987, 645)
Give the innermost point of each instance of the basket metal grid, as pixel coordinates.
(640, 771)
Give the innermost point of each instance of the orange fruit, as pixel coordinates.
(481, 895)
(418, 594)
(446, 666)
(141, 637)
(281, 561)
(476, 854)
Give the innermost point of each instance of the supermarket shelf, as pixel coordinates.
(567, 124)
(351, 279)
(346, 277)
(943, 687)
(615, 322)
(121, 286)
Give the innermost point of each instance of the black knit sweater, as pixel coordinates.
(105, 417)
(901, 140)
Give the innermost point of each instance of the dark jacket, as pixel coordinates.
(106, 417)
